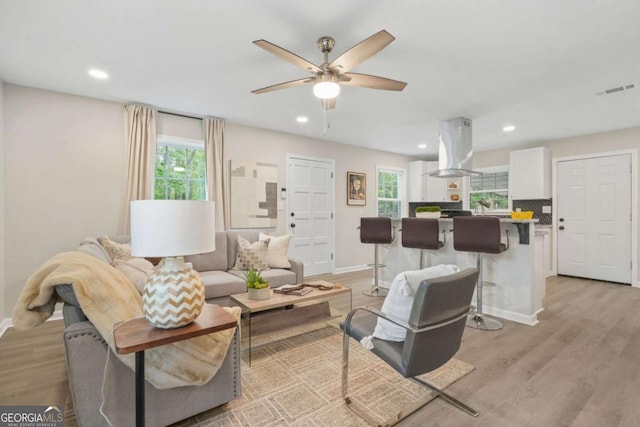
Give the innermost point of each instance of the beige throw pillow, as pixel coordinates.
(115, 250)
(251, 255)
(277, 250)
(136, 269)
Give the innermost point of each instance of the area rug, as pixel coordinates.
(296, 382)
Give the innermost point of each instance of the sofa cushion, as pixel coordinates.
(91, 246)
(278, 250)
(216, 260)
(115, 250)
(220, 283)
(136, 269)
(275, 276)
(232, 243)
(251, 255)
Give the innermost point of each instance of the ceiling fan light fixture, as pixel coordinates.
(326, 86)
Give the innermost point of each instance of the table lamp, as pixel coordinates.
(173, 294)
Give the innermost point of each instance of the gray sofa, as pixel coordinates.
(216, 268)
(86, 350)
(86, 355)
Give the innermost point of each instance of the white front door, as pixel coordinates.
(594, 218)
(310, 214)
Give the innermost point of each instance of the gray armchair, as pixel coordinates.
(434, 334)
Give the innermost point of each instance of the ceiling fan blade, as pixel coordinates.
(329, 104)
(284, 85)
(291, 57)
(362, 51)
(373, 82)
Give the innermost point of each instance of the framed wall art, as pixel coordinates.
(356, 189)
(254, 194)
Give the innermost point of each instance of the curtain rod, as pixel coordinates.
(185, 115)
(180, 115)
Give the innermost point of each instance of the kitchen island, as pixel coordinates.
(518, 273)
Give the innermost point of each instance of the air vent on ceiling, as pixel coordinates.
(622, 88)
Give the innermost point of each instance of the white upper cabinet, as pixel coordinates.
(424, 188)
(530, 174)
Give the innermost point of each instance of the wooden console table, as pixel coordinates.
(137, 335)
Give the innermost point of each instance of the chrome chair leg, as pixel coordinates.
(448, 398)
(477, 319)
(376, 290)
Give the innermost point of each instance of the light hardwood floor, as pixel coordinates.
(579, 366)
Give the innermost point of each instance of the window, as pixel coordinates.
(492, 187)
(390, 192)
(180, 170)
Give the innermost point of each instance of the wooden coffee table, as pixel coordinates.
(250, 307)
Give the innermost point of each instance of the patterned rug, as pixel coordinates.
(296, 382)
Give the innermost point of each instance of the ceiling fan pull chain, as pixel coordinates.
(324, 122)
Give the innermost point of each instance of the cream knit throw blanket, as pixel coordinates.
(108, 297)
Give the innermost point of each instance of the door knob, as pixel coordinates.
(561, 227)
(292, 225)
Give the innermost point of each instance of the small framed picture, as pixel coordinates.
(356, 189)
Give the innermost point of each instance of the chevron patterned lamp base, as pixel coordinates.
(173, 295)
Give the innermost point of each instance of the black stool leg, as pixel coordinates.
(478, 320)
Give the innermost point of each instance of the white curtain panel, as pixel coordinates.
(140, 128)
(217, 173)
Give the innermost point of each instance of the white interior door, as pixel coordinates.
(594, 218)
(310, 216)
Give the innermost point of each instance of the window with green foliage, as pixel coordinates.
(492, 187)
(180, 171)
(390, 191)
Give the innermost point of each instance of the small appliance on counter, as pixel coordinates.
(450, 213)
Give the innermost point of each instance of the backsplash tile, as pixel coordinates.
(536, 207)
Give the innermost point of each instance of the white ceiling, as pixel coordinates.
(535, 64)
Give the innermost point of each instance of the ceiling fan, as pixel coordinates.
(328, 77)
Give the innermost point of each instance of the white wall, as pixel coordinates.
(64, 176)
(588, 144)
(244, 142)
(3, 313)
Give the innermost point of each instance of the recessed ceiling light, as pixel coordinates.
(509, 128)
(422, 145)
(98, 74)
(302, 119)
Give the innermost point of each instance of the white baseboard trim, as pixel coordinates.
(351, 269)
(4, 325)
(530, 320)
(8, 323)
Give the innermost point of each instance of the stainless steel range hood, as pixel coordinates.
(455, 150)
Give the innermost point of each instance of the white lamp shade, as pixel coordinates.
(163, 228)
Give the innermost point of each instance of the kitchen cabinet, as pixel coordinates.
(530, 174)
(417, 182)
(424, 188)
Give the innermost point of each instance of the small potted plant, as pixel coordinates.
(428, 212)
(257, 287)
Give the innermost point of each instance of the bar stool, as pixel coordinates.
(376, 230)
(423, 234)
(480, 234)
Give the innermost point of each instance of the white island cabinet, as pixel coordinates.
(518, 272)
(530, 174)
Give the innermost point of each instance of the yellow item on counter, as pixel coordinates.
(522, 215)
